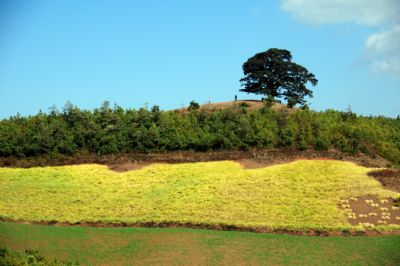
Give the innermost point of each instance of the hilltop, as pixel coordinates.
(249, 105)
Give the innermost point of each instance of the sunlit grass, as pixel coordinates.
(298, 195)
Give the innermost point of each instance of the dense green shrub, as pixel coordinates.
(193, 106)
(107, 130)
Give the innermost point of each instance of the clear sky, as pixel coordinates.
(168, 53)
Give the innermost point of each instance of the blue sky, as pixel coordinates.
(171, 52)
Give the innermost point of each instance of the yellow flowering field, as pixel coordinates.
(302, 194)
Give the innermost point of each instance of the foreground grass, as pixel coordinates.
(298, 195)
(133, 246)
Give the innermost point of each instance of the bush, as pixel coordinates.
(193, 106)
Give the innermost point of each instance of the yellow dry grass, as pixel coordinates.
(300, 195)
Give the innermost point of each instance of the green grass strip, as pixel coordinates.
(168, 246)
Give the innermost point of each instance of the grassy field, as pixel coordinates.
(298, 195)
(168, 246)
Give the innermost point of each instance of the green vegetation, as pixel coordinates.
(149, 246)
(115, 130)
(298, 195)
(193, 106)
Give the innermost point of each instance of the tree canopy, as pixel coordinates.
(272, 73)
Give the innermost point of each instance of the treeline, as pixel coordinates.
(107, 130)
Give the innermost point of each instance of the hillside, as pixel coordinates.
(225, 166)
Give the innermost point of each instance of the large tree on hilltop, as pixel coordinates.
(273, 74)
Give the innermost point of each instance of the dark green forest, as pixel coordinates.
(112, 130)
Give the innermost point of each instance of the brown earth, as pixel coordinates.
(371, 211)
(389, 178)
(130, 161)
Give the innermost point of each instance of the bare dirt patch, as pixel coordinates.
(371, 211)
(388, 178)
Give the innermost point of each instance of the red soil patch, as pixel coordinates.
(371, 210)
